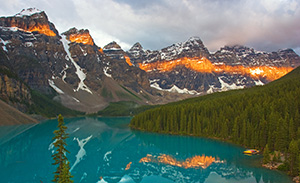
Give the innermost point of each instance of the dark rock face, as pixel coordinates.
(127, 75)
(193, 47)
(86, 77)
(112, 46)
(35, 21)
(241, 55)
(197, 82)
(185, 78)
(137, 53)
(13, 90)
(87, 55)
(33, 54)
(70, 64)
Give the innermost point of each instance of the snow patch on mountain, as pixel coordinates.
(225, 86)
(13, 29)
(79, 71)
(98, 58)
(4, 44)
(112, 49)
(76, 99)
(83, 51)
(259, 83)
(212, 89)
(176, 49)
(64, 73)
(28, 44)
(28, 12)
(155, 85)
(105, 69)
(28, 36)
(58, 90)
(174, 89)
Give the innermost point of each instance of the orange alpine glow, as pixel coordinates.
(194, 162)
(204, 65)
(128, 60)
(84, 38)
(42, 29)
(101, 50)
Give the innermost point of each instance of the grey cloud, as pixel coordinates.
(262, 24)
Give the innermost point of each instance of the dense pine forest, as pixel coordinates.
(259, 117)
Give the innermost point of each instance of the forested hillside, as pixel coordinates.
(252, 117)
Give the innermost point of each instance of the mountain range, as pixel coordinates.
(71, 69)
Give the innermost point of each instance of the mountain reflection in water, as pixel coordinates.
(194, 162)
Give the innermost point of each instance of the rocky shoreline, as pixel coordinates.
(275, 165)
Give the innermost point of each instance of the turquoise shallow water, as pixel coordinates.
(105, 148)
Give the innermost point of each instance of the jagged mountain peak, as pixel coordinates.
(193, 39)
(136, 47)
(239, 50)
(137, 52)
(32, 14)
(74, 30)
(79, 36)
(287, 51)
(77, 69)
(30, 20)
(112, 46)
(29, 12)
(236, 47)
(247, 56)
(193, 47)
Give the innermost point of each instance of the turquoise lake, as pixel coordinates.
(107, 150)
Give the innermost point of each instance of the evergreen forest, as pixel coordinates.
(258, 117)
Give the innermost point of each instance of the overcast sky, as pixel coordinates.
(266, 25)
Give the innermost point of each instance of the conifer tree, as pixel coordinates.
(299, 165)
(293, 157)
(62, 173)
(235, 131)
(292, 131)
(266, 155)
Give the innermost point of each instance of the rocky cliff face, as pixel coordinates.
(122, 70)
(193, 47)
(70, 64)
(14, 92)
(32, 46)
(12, 89)
(247, 57)
(30, 20)
(188, 67)
(86, 77)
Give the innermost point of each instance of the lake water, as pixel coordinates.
(106, 150)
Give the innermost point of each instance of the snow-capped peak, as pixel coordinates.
(28, 12)
(192, 41)
(112, 46)
(194, 38)
(136, 47)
